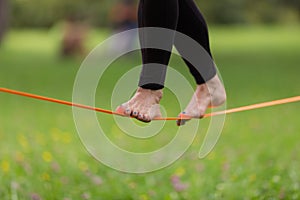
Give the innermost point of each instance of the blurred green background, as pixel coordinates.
(256, 45)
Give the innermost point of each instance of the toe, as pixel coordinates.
(180, 122)
(123, 110)
(140, 117)
(127, 111)
(143, 118)
(134, 113)
(147, 118)
(182, 119)
(144, 115)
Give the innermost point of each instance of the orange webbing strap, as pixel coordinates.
(256, 106)
(234, 110)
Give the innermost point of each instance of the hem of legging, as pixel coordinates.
(202, 81)
(152, 86)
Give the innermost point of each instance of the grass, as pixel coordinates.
(41, 156)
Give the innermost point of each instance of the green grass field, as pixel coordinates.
(257, 156)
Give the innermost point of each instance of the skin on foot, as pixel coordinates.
(144, 105)
(210, 94)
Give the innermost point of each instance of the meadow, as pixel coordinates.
(257, 156)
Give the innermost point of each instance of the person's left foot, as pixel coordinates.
(210, 94)
(144, 105)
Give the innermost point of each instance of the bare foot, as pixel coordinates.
(144, 105)
(210, 94)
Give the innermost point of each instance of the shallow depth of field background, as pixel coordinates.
(256, 45)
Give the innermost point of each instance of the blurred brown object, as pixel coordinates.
(4, 12)
(123, 15)
(74, 36)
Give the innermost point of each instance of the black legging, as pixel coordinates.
(182, 16)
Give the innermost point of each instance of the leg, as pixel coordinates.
(161, 14)
(144, 105)
(209, 91)
(192, 23)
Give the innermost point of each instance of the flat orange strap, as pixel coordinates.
(234, 110)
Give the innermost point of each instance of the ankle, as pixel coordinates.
(215, 90)
(156, 94)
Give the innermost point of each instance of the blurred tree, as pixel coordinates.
(3, 17)
(266, 11)
(293, 4)
(224, 12)
(45, 13)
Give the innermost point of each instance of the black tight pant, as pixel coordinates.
(182, 16)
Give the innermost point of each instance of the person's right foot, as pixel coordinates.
(144, 105)
(210, 94)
